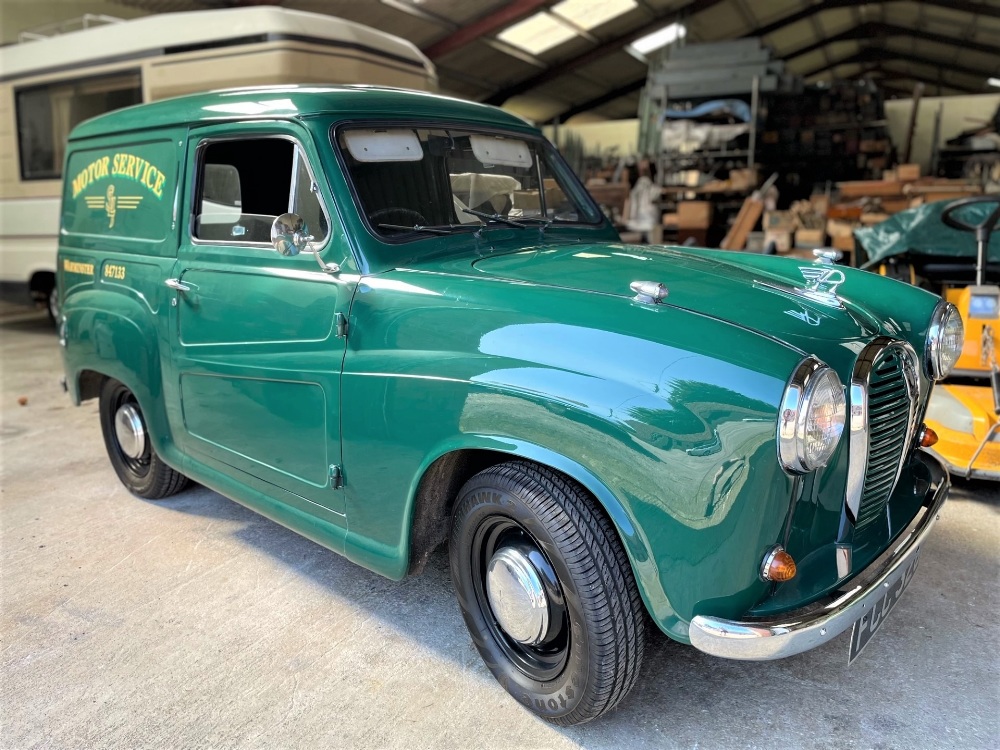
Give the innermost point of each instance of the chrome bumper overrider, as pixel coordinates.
(761, 640)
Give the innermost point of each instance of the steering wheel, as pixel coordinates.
(404, 216)
(983, 230)
(989, 225)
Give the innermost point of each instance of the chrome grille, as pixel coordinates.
(889, 413)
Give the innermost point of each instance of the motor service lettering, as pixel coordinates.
(124, 165)
(120, 166)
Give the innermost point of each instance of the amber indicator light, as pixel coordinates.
(778, 566)
(927, 437)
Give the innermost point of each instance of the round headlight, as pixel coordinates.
(945, 339)
(813, 412)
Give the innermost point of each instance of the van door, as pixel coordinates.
(258, 349)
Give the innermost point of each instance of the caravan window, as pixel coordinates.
(46, 114)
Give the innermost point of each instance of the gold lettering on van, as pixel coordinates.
(137, 169)
(96, 170)
(123, 165)
(114, 271)
(73, 266)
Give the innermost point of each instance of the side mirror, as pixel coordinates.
(288, 234)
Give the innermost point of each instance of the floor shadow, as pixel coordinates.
(30, 322)
(681, 691)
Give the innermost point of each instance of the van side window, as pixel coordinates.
(245, 184)
(46, 114)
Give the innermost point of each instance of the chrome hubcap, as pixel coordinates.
(517, 596)
(130, 431)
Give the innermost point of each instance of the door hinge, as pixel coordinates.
(336, 478)
(341, 325)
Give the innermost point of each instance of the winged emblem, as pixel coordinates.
(821, 283)
(111, 203)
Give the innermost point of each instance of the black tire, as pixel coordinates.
(591, 651)
(143, 474)
(52, 305)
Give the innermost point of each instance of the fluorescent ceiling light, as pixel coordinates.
(660, 38)
(536, 34)
(993, 81)
(589, 14)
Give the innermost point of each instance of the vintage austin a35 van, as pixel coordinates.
(388, 319)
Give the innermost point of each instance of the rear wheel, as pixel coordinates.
(129, 447)
(52, 305)
(547, 592)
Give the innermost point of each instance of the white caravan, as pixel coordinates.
(48, 85)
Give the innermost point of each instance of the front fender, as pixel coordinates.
(667, 417)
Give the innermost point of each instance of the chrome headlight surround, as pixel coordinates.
(945, 339)
(814, 396)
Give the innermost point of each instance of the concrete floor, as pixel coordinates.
(194, 622)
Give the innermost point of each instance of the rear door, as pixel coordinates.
(258, 353)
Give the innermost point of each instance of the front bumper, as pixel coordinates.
(760, 640)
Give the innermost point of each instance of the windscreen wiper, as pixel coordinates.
(443, 229)
(543, 223)
(495, 217)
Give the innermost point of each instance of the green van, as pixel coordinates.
(388, 320)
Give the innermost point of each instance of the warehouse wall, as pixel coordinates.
(601, 137)
(959, 113)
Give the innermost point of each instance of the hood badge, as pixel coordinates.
(649, 292)
(822, 281)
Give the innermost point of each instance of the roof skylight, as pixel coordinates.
(589, 14)
(548, 29)
(536, 34)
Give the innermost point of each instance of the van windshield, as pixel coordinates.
(411, 182)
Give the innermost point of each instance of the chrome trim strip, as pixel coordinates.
(775, 639)
(858, 452)
(858, 448)
(910, 364)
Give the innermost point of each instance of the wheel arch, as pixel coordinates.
(442, 476)
(42, 281)
(113, 336)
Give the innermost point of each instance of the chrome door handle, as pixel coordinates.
(177, 284)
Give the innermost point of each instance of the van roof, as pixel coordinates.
(292, 102)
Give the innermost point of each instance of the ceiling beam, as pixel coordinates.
(507, 15)
(417, 12)
(898, 90)
(966, 6)
(598, 101)
(876, 30)
(603, 50)
(883, 54)
(880, 74)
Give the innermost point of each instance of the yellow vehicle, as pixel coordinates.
(924, 246)
(966, 417)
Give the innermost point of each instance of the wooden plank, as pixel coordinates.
(746, 220)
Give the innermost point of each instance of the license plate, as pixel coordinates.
(867, 625)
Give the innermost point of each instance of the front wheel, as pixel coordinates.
(547, 592)
(129, 447)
